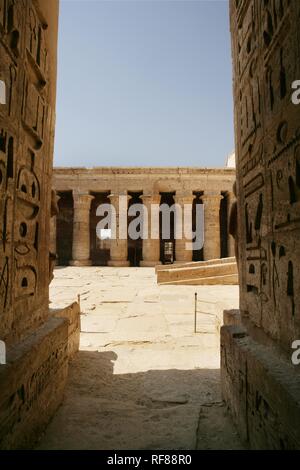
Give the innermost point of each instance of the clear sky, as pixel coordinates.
(144, 83)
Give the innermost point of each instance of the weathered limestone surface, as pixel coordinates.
(118, 247)
(28, 68)
(213, 280)
(81, 229)
(232, 317)
(193, 264)
(32, 384)
(262, 390)
(185, 203)
(223, 273)
(230, 198)
(259, 381)
(142, 377)
(32, 381)
(72, 314)
(151, 245)
(53, 230)
(149, 180)
(211, 201)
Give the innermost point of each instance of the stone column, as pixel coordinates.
(230, 240)
(81, 229)
(151, 245)
(53, 234)
(53, 229)
(212, 242)
(119, 246)
(182, 254)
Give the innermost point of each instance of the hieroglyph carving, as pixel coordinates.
(265, 35)
(25, 122)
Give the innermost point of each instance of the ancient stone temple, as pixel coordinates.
(32, 381)
(260, 382)
(81, 191)
(44, 220)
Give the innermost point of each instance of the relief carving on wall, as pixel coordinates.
(268, 153)
(25, 121)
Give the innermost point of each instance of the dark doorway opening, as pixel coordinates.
(135, 247)
(197, 254)
(224, 225)
(64, 228)
(167, 198)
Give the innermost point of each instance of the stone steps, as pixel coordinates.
(228, 279)
(195, 274)
(217, 261)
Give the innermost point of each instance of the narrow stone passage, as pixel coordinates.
(142, 378)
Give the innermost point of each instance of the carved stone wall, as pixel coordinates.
(266, 51)
(28, 70)
(265, 40)
(33, 378)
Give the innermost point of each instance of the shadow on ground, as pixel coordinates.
(155, 409)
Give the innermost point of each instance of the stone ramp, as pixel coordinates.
(200, 273)
(210, 262)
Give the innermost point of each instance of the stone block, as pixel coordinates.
(32, 384)
(262, 390)
(72, 314)
(222, 273)
(232, 317)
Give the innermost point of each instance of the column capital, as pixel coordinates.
(184, 197)
(82, 198)
(151, 198)
(116, 194)
(212, 197)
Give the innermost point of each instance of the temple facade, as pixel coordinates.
(80, 192)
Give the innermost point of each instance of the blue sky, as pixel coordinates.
(144, 83)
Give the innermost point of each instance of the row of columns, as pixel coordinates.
(151, 245)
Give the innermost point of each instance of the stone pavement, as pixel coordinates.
(142, 379)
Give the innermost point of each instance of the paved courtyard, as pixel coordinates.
(142, 378)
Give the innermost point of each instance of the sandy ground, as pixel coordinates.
(142, 378)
